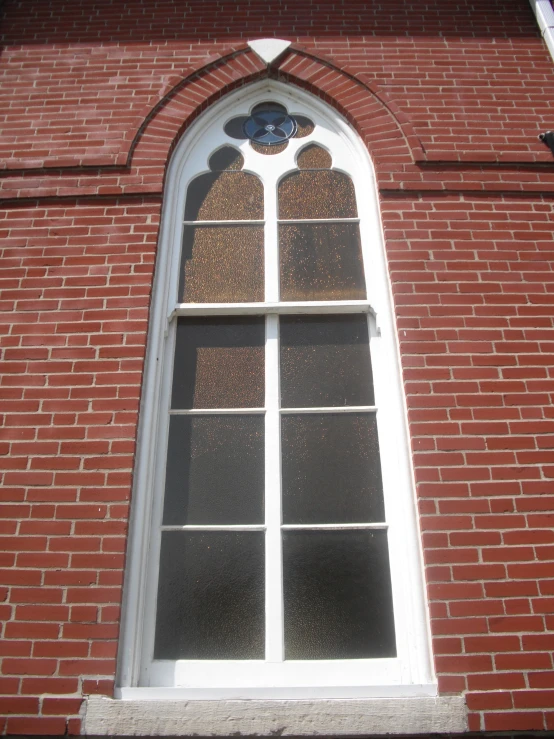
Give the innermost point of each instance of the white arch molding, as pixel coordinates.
(408, 675)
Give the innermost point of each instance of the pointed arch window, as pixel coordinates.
(274, 493)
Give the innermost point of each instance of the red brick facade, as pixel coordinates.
(449, 97)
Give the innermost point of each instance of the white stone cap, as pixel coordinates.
(269, 49)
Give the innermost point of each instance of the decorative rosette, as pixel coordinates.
(269, 125)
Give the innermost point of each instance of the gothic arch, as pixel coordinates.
(375, 118)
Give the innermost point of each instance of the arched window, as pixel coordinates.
(274, 546)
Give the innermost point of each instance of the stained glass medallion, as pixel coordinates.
(269, 124)
(269, 127)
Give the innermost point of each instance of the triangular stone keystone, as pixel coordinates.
(269, 49)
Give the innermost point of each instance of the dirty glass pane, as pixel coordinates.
(338, 601)
(321, 261)
(210, 595)
(222, 264)
(225, 196)
(219, 363)
(323, 194)
(215, 470)
(269, 150)
(331, 468)
(314, 157)
(304, 126)
(325, 361)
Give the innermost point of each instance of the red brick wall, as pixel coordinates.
(75, 281)
(449, 96)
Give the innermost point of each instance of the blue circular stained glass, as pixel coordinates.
(269, 125)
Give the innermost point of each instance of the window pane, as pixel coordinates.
(338, 602)
(304, 126)
(226, 158)
(210, 595)
(219, 363)
(321, 261)
(325, 361)
(331, 468)
(314, 157)
(222, 264)
(317, 195)
(225, 196)
(215, 470)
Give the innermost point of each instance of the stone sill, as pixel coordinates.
(338, 717)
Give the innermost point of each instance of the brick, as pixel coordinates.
(473, 298)
(36, 725)
(514, 721)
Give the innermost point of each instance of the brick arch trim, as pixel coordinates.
(385, 130)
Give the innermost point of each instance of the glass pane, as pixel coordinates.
(304, 126)
(222, 264)
(225, 196)
(325, 361)
(317, 195)
(321, 261)
(269, 150)
(226, 158)
(338, 602)
(314, 157)
(210, 595)
(215, 470)
(219, 363)
(234, 127)
(331, 468)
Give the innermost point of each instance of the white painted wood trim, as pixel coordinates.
(332, 410)
(216, 411)
(544, 13)
(262, 309)
(413, 669)
(274, 607)
(376, 716)
(332, 526)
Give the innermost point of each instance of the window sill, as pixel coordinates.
(351, 717)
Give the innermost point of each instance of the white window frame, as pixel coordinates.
(410, 673)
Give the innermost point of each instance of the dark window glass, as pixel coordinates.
(210, 596)
(225, 196)
(325, 361)
(219, 363)
(331, 468)
(319, 194)
(215, 470)
(226, 158)
(321, 261)
(235, 127)
(338, 601)
(222, 264)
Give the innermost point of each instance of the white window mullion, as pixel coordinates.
(273, 559)
(271, 253)
(273, 567)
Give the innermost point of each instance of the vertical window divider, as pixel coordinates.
(273, 556)
(274, 560)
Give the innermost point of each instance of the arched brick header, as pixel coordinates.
(386, 132)
(140, 168)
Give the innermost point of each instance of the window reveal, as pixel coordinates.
(274, 549)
